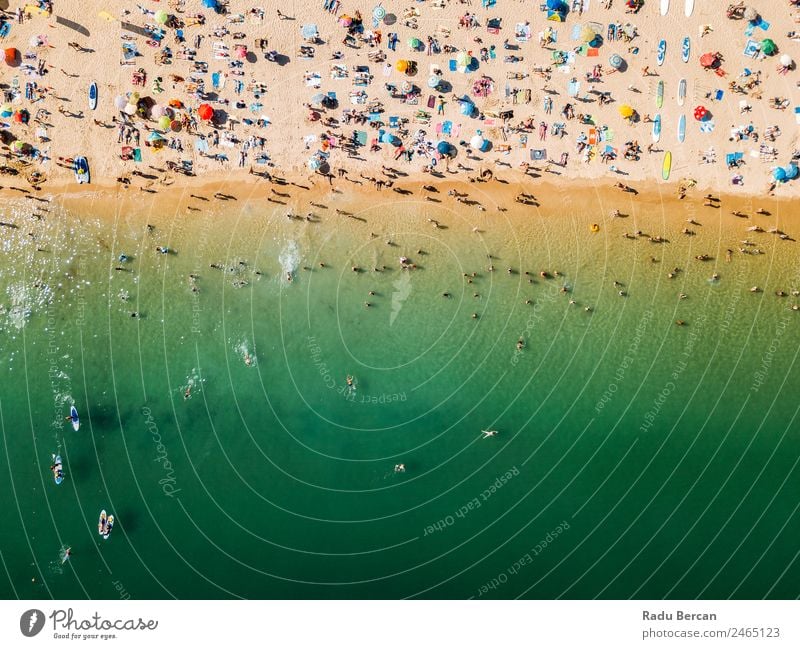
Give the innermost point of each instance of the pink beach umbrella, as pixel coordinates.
(241, 51)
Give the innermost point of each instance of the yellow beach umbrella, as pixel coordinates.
(626, 111)
(401, 65)
(588, 34)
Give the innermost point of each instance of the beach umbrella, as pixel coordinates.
(414, 43)
(588, 34)
(345, 20)
(210, 4)
(161, 17)
(164, 123)
(130, 109)
(38, 41)
(556, 5)
(467, 108)
(751, 14)
(11, 55)
(768, 46)
(708, 60)
(176, 103)
(700, 113)
(406, 87)
(241, 51)
(175, 125)
(318, 98)
(120, 102)
(205, 111)
(463, 59)
(157, 111)
(6, 110)
(792, 171)
(401, 65)
(786, 61)
(434, 80)
(314, 163)
(379, 13)
(477, 142)
(615, 61)
(779, 174)
(19, 145)
(21, 116)
(155, 136)
(309, 31)
(626, 111)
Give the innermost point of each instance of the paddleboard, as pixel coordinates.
(101, 524)
(664, 7)
(109, 526)
(93, 96)
(657, 128)
(686, 49)
(662, 52)
(73, 415)
(688, 7)
(58, 476)
(666, 167)
(681, 92)
(660, 94)
(682, 128)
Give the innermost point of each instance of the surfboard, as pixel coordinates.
(664, 7)
(681, 128)
(681, 92)
(688, 7)
(660, 94)
(662, 52)
(666, 167)
(58, 478)
(657, 128)
(93, 96)
(73, 415)
(686, 49)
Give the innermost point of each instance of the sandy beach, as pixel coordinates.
(523, 107)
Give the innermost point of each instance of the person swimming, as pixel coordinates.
(489, 433)
(248, 360)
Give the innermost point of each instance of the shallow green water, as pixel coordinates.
(634, 458)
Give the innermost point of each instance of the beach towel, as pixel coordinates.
(706, 127)
(797, 114)
(394, 121)
(718, 95)
(313, 80)
(592, 136)
(137, 154)
(447, 127)
(574, 88)
(361, 137)
(607, 135)
(593, 51)
(751, 49)
(492, 54)
(431, 101)
(452, 65)
(576, 33)
(522, 33)
(762, 24)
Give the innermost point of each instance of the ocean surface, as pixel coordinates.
(634, 458)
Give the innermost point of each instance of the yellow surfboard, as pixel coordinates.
(666, 167)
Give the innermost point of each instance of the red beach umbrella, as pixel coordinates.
(11, 55)
(708, 60)
(700, 113)
(205, 111)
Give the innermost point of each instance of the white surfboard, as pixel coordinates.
(665, 7)
(688, 8)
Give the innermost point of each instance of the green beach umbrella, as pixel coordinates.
(161, 16)
(768, 46)
(164, 122)
(414, 43)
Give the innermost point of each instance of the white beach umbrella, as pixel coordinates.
(786, 60)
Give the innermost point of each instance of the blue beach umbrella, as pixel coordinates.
(378, 13)
(792, 171)
(309, 31)
(314, 163)
(556, 5)
(779, 174)
(434, 81)
(210, 4)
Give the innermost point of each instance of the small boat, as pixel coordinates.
(657, 128)
(662, 52)
(109, 526)
(81, 169)
(660, 94)
(93, 96)
(666, 167)
(73, 417)
(681, 92)
(101, 524)
(686, 49)
(688, 8)
(681, 128)
(57, 469)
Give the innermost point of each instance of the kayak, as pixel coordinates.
(662, 52)
(101, 524)
(93, 96)
(73, 415)
(81, 169)
(58, 470)
(657, 128)
(660, 94)
(666, 167)
(686, 49)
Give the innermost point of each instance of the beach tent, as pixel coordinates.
(768, 46)
(205, 111)
(626, 111)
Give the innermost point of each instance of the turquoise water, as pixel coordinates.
(635, 458)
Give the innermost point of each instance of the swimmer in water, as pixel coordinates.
(248, 359)
(66, 555)
(489, 433)
(187, 393)
(399, 468)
